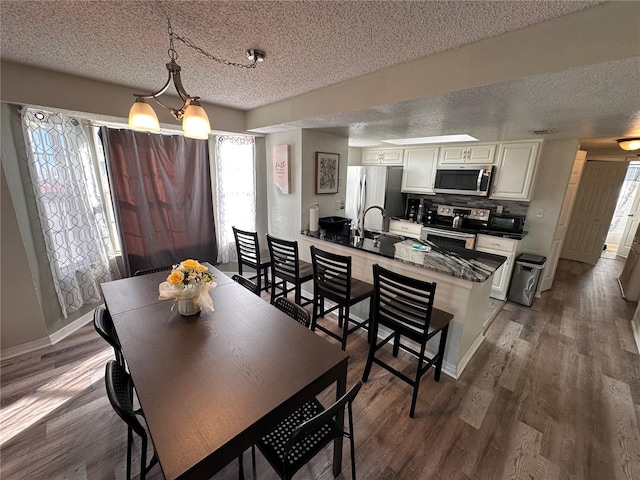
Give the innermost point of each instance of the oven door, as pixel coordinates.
(448, 238)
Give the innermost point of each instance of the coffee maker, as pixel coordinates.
(412, 208)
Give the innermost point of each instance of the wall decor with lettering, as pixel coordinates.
(281, 174)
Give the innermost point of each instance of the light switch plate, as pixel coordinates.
(540, 213)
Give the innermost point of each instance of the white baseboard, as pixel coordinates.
(24, 348)
(467, 356)
(635, 327)
(67, 330)
(52, 339)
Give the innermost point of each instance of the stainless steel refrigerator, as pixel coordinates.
(374, 185)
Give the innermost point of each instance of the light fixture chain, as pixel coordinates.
(198, 49)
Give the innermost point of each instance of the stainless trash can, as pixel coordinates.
(526, 276)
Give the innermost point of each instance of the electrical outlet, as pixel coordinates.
(339, 204)
(540, 213)
(499, 209)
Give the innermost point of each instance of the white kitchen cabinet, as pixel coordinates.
(404, 228)
(505, 247)
(419, 173)
(382, 156)
(479, 154)
(515, 170)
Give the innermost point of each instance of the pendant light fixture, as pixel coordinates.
(195, 122)
(629, 144)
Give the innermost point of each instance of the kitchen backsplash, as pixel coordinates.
(508, 207)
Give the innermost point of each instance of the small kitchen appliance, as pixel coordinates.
(507, 223)
(464, 180)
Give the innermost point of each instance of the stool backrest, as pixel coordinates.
(247, 247)
(331, 275)
(284, 258)
(402, 303)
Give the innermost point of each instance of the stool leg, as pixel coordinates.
(344, 317)
(443, 341)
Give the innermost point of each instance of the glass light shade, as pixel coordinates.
(195, 122)
(629, 144)
(142, 116)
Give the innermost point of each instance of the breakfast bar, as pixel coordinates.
(463, 279)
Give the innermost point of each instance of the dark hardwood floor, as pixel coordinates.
(552, 393)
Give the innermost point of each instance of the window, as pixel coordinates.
(235, 191)
(70, 207)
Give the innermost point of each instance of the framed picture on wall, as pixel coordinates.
(327, 168)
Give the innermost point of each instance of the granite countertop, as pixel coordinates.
(466, 264)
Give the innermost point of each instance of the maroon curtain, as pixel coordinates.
(161, 186)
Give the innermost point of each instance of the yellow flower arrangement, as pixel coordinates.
(189, 280)
(189, 273)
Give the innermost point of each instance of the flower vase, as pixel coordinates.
(187, 307)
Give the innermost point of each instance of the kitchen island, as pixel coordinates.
(463, 279)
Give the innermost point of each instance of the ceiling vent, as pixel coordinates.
(546, 131)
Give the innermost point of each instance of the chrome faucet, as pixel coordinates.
(385, 221)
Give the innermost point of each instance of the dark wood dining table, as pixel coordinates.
(212, 384)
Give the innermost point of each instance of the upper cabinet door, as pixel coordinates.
(479, 154)
(453, 155)
(419, 171)
(515, 170)
(382, 156)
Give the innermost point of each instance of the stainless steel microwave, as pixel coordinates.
(464, 180)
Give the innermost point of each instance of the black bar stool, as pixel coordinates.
(287, 266)
(405, 306)
(332, 280)
(249, 254)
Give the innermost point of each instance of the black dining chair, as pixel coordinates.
(103, 323)
(332, 281)
(246, 283)
(147, 271)
(250, 255)
(120, 393)
(404, 305)
(302, 435)
(287, 266)
(294, 310)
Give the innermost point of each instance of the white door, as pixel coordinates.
(563, 221)
(595, 203)
(631, 225)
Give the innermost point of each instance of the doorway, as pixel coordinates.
(595, 203)
(626, 216)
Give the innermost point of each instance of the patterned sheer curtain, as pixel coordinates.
(70, 206)
(235, 191)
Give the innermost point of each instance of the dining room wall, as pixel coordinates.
(284, 210)
(21, 318)
(103, 101)
(314, 141)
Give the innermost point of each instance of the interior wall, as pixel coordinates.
(312, 142)
(38, 275)
(21, 320)
(103, 101)
(262, 221)
(552, 178)
(284, 210)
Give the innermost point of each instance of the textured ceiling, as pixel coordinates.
(309, 45)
